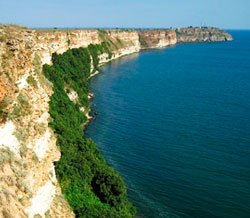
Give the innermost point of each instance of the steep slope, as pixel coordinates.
(203, 34)
(29, 145)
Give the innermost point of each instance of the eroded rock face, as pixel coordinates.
(28, 146)
(28, 150)
(157, 38)
(202, 35)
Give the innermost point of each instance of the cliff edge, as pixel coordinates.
(28, 183)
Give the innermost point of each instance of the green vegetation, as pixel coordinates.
(90, 185)
(38, 72)
(107, 42)
(3, 112)
(21, 107)
(94, 50)
(7, 156)
(32, 81)
(142, 41)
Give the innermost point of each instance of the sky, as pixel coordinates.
(227, 14)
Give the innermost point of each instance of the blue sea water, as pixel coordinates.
(175, 123)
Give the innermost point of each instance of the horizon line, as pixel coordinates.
(132, 28)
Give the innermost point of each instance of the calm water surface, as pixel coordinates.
(176, 124)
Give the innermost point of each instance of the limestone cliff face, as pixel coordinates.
(49, 42)
(204, 34)
(157, 38)
(124, 43)
(28, 185)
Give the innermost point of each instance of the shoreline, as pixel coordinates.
(97, 72)
(34, 66)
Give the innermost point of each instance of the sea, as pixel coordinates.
(175, 123)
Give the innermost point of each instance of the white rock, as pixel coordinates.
(41, 145)
(22, 82)
(73, 96)
(41, 202)
(7, 138)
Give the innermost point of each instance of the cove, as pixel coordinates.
(175, 123)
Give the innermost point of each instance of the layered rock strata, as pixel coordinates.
(28, 185)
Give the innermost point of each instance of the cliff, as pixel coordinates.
(29, 149)
(203, 34)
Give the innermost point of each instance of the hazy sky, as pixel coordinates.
(231, 14)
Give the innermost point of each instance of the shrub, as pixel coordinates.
(7, 156)
(31, 80)
(21, 107)
(92, 188)
(3, 105)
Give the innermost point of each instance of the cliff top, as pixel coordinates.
(45, 29)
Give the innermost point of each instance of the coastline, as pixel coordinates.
(108, 93)
(97, 72)
(30, 94)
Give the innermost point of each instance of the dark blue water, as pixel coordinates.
(176, 124)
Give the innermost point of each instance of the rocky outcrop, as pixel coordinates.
(28, 185)
(203, 34)
(157, 38)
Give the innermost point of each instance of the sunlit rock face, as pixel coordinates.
(157, 38)
(28, 150)
(204, 34)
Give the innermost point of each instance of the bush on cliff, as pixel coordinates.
(90, 185)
